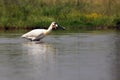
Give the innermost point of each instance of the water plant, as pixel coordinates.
(74, 14)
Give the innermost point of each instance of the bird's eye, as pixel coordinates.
(56, 25)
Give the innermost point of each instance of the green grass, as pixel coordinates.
(74, 14)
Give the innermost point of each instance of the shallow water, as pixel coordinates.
(74, 56)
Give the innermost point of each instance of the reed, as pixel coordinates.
(74, 14)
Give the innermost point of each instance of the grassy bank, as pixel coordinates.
(74, 14)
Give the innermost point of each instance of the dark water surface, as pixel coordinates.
(74, 56)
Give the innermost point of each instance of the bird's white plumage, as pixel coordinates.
(38, 34)
(35, 34)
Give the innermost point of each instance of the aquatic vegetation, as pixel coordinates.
(74, 14)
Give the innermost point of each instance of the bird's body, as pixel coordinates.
(35, 35)
(38, 34)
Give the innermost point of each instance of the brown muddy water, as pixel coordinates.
(69, 56)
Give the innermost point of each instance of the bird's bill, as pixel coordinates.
(57, 26)
(61, 27)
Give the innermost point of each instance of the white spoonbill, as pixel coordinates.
(38, 34)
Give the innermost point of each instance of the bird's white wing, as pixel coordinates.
(35, 34)
(38, 38)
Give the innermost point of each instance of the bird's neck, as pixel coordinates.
(49, 29)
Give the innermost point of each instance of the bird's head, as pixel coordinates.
(55, 26)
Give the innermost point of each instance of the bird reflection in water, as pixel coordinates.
(38, 48)
(39, 53)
